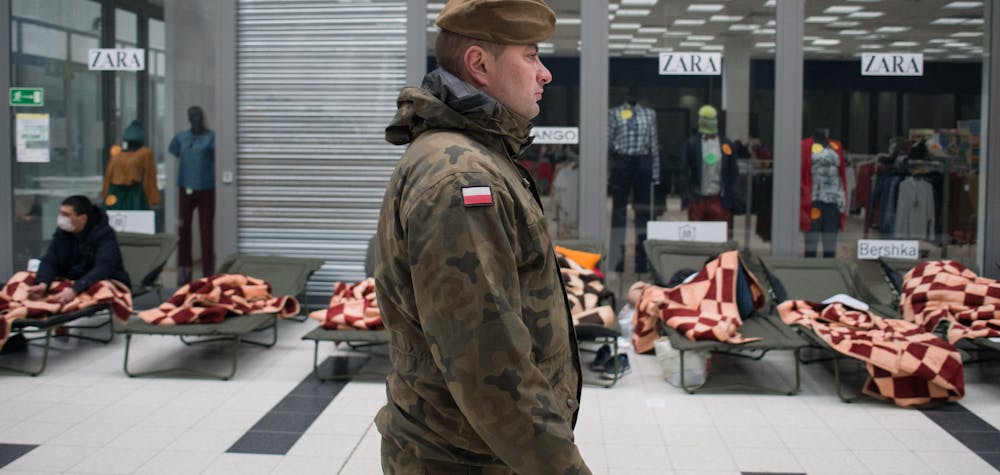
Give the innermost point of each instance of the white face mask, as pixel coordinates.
(64, 223)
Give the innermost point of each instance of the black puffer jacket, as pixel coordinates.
(87, 258)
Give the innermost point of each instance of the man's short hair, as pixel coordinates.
(450, 48)
(80, 204)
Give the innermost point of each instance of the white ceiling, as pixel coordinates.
(944, 30)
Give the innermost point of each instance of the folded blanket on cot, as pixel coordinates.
(15, 304)
(212, 299)
(705, 308)
(584, 291)
(906, 364)
(947, 291)
(352, 307)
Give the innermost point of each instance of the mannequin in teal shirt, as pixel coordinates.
(195, 149)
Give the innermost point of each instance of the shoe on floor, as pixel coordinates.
(15, 344)
(623, 367)
(603, 356)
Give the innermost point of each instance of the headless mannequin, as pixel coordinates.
(196, 150)
(825, 215)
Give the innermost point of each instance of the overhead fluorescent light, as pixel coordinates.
(705, 7)
(842, 9)
(870, 46)
(677, 33)
(625, 26)
(865, 14)
(770, 23)
(935, 50)
(617, 45)
(948, 20)
(843, 24)
(765, 44)
(743, 27)
(904, 44)
(638, 46)
(825, 42)
(853, 32)
(662, 49)
(652, 30)
(645, 40)
(940, 40)
(957, 44)
(620, 37)
(688, 44)
(688, 22)
(764, 31)
(967, 34)
(435, 6)
(632, 12)
(770, 3)
(821, 19)
(726, 18)
(892, 29)
(613, 6)
(957, 56)
(959, 5)
(567, 21)
(639, 3)
(974, 21)
(713, 48)
(701, 37)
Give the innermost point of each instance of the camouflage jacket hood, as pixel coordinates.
(446, 102)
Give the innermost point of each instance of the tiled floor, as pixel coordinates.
(83, 415)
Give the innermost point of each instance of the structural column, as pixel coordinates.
(226, 184)
(6, 152)
(787, 128)
(416, 41)
(989, 161)
(593, 119)
(736, 88)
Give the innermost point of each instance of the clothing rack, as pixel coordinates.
(751, 172)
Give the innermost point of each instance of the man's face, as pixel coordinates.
(79, 221)
(517, 78)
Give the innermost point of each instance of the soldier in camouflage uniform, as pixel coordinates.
(486, 374)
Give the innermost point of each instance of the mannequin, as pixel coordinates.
(711, 170)
(130, 177)
(195, 149)
(823, 198)
(634, 163)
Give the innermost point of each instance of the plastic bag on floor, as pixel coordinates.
(625, 316)
(669, 359)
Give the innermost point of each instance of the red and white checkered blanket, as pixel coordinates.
(584, 291)
(352, 307)
(906, 365)
(939, 291)
(212, 299)
(702, 309)
(15, 304)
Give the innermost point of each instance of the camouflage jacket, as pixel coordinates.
(485, 364)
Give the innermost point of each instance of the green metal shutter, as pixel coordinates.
(317, 83)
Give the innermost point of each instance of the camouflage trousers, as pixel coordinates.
(396, 461)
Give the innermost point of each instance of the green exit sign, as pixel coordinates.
(27, 96)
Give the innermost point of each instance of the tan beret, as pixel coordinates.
(506, 22)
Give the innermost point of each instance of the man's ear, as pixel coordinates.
(477, 63)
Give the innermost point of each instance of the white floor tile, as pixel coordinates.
(292, 465)
(892, 461)
(325, 445)
(205, 440)
(249, 464)
(759, 437)
(810, 438)
(341, 424)
(817, 460)
(65, 413)
(176, 417)
(90, 434)
(114, 460)
(930, 439)
(637, 456)
(765, 460)
(701, 458)
(171, 462)
(964, 462)
(867, 439)
(638, 434)
(698, 436)
(363, 466)
(34, 432)
(593, 454)
(147, 437)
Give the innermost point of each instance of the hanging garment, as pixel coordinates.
(130, 180)
(914, 210)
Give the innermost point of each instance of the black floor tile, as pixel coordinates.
(285, 422)
(979, 441)
(303, 404)
(11, 452)
(265, 442)
(956, 421)
(992, 458)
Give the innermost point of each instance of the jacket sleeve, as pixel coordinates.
(464, 269)
(105, 257)
(49, 266)
(689, 171)
(175, 147)
(149, 185)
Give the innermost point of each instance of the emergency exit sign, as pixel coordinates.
(27, 96)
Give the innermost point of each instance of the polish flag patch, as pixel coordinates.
(477, 196)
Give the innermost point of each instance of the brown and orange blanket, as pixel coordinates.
(212, 299)
(906, 364)
(703, 309)
(946, 291)
(352, 307)
(15, 304)
(584, 290)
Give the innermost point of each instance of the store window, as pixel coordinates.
(899, 98)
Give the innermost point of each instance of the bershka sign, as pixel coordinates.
(871, 249)
(121, 59)
(556, 135)
(690, 64)
(892, 64)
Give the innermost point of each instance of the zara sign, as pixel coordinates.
(690, 64)
(892, 64)
(120, 59)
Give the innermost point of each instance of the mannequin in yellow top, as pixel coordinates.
(130, 178)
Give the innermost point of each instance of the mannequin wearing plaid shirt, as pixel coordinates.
(634, 159)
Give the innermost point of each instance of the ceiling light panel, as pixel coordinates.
(652, 30)
(962, 5)
(821, 19)
(853, 32)
(688, 22)
(967, 34)
(904, 44)
(892, 29)
(639, 3)
(865, 14)
(705, 7)
(764, 31)
(726, 18)
(633, 12)
(625, 26)
(842, 9)
(701, 37)
(843, 24)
